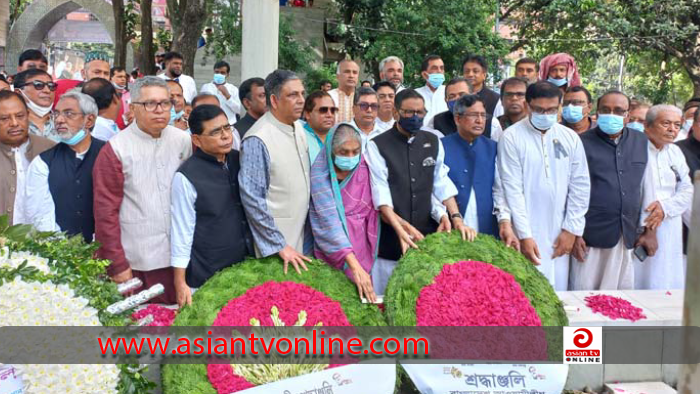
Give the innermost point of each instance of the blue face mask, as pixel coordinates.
(219, 79)
(451, 106)
(636, 126)
(412, 124)
(558, 82)
(542, 121)
(175, 116)
(611, 124)
(436, 80)
(572, 114)
(347, 163)
(76, 138)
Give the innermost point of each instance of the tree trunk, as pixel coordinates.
(120, 39)
(191, 20)
(148, 66)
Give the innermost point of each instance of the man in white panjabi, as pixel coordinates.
(666, 193)
(546, 183)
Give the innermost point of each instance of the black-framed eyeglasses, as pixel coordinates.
(514, 94)
(218, 132)
(367, 106)
(40, 85)
(410, 113)
(576, 103)
(151, 106)
(70, 115)
(616, 111)
(325, 110)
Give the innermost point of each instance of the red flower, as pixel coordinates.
(614, 307)
(162, 316)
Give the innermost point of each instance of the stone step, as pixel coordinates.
(639, 388)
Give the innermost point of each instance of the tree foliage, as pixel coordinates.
(412, 29)
(649, 33)
(16, 9)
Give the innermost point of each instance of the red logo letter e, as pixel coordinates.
(578, 339)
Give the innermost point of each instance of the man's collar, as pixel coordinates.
(23, 146)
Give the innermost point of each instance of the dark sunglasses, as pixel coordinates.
(324, 110)
(39, 85)
(368, 106)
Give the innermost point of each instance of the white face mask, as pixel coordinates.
(36, 108)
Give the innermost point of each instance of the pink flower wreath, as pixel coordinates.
(290, 298)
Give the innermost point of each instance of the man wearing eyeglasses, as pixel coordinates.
(209, 227)
(386, 93)
(413, 201)
(18, 149)
(617, 158)
(319, 112)
(576, 110)
(365, 114)
(445, 122)
(132, 179)
(471, 159)
(37, 88)
(513, 98)
(59, 181)
(545, 178)
(667, 193)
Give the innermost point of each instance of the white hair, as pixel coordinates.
(343, 134)
(389, 59)
(654, 112)
(147, 81)
(86, 103)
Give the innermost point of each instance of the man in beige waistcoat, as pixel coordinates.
(131, 181)
(274, 174)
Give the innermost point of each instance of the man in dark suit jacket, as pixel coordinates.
(444, 122)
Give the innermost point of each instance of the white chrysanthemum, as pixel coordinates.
(46, 304)
(17, 258)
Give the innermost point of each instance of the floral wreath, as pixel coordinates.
(58, 277)
(257, 293)
(450, 282)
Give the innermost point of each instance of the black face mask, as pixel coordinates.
(411, 124)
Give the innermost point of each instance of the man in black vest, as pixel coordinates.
(474, 70)
(59, 181)
(252, 96)
(407, 169)
(617, 158)
(209, 229)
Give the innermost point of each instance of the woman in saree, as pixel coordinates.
(344, 222)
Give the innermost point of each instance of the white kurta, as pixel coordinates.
(666, 180)
(547, 188)
(434, 102)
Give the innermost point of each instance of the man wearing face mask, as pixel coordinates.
(576, 110)
(414, 162)
(226, 92)
(433, 71)
(617, 158)
(688, 113)
(108, 107)
(546, 183)
(177, 111)
(59, 181)
(173, 71)
(637, 117)
(560, 69)
(37, 88)
(445, 122)
(18, 148)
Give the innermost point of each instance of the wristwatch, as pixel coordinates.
(456, 215)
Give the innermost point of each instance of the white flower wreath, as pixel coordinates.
(16, 258)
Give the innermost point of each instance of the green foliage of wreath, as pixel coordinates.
(233, 282)
(418, 268)
(71, 263)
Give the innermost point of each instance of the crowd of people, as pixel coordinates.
(177, 183)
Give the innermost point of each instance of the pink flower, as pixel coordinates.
(162, 316)
(614, 307)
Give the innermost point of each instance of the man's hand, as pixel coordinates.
(183, 293)
(224, 91)
(123, 276)
(580, 251)
(289, 255)
(364, 283)
(408, 238)
(505, 231)
(656, 215)
(648, 241)
(467, 232)
(445, 225)
(563, 244)
(529, 248)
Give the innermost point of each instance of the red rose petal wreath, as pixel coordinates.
(257, 292)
